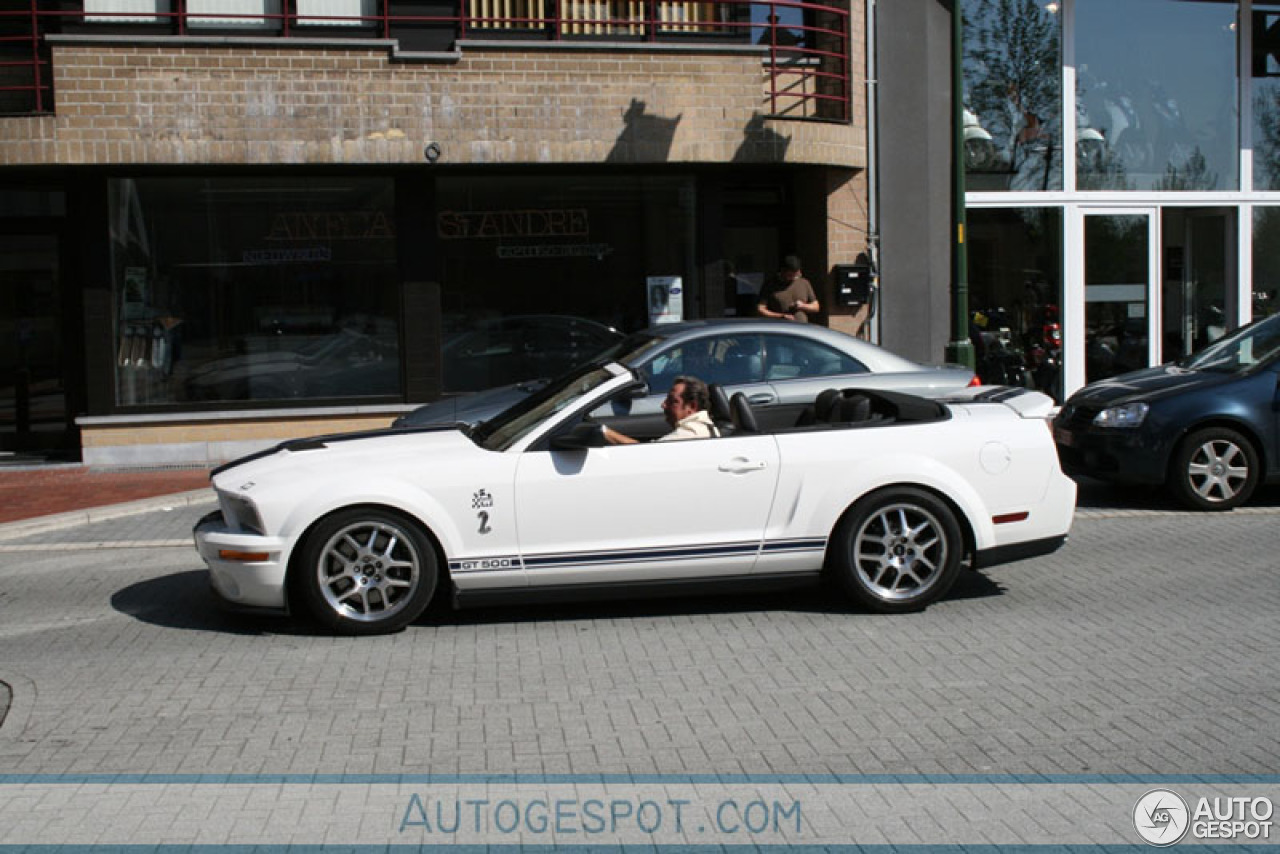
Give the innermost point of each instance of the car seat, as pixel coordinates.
(851, 407)
(744, 419)
(819, 412)
(719, 409)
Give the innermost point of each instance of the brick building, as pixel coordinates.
(226, 222)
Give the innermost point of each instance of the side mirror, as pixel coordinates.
(581, 437)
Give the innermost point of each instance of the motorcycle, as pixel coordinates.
(1043, 346)
(997, 361)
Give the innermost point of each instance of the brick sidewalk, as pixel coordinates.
(26, 493)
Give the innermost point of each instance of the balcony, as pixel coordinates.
(805, 46)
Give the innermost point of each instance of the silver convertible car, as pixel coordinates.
(889, 494)
(774, 363)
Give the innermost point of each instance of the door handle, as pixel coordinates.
(760, 398)
(742, 465)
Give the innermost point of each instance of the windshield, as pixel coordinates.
(1241, 350)
(631, 349)
(509, 426)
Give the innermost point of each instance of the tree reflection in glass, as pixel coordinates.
(1013, 89)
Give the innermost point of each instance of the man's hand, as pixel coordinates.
(613, 437)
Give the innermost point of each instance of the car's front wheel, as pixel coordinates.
(1214, 469)
(367, 571)
(898, 550)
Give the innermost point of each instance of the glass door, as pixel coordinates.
(1114, 293)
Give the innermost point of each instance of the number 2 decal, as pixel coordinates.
(481, 499)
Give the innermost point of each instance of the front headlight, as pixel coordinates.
(1128, 416)
(241, 513)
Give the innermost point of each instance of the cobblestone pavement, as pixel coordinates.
(1147, 646)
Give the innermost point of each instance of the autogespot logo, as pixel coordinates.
(1161, 817)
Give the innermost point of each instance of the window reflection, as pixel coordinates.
(1013, 93)
(254, 290)
(1266, 99)
(1156, 83)
(1266, 261)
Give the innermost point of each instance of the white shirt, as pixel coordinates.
(697, 426)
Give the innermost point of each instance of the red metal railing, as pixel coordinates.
(807, 65)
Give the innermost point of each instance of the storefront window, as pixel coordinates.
(1266, 261)
(1198, 246)
(1266, 97)
(1156, 89)
(1013, 95)
(259, 289)
(1015, 296)
(540, 273)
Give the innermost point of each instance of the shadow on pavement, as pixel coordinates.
(1100, 495)
(183, 601)
(822, 598)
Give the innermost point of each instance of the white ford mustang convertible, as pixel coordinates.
(890, 494)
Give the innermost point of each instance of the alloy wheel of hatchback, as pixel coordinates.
(1214, 469)
(898, 550)
(367, 572)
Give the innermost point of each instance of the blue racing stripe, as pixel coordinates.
(645, 555)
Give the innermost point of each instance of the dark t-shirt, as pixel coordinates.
(780, 296)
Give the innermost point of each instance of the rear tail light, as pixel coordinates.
(975, 382)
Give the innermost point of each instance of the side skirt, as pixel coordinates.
(1017, 551)
(634, 589)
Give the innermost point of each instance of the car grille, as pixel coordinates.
(1077, 415)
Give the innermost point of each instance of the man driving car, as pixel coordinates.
(685, 409)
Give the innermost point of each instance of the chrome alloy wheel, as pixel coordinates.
(1218, 470)
(368, 571)
(900, 551)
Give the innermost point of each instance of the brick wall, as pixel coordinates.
(182, 103)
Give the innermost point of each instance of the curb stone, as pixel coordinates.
(72, 518)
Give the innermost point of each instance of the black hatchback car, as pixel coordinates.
(1206, 425)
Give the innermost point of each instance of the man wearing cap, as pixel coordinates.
(791, 296)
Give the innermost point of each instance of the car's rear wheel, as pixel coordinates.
(1214, 469)
(367, 571)
(898, 550)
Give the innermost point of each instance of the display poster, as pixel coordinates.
(666, 299)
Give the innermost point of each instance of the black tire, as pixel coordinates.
(1214, 469)
(367, 571)
(897, 550)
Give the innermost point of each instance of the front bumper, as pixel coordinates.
(250, 585)
(1123, 456)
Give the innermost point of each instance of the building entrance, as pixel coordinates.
(1148, 285)
(1115, 294)
(33, 357)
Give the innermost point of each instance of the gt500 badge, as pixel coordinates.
(490, 563)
